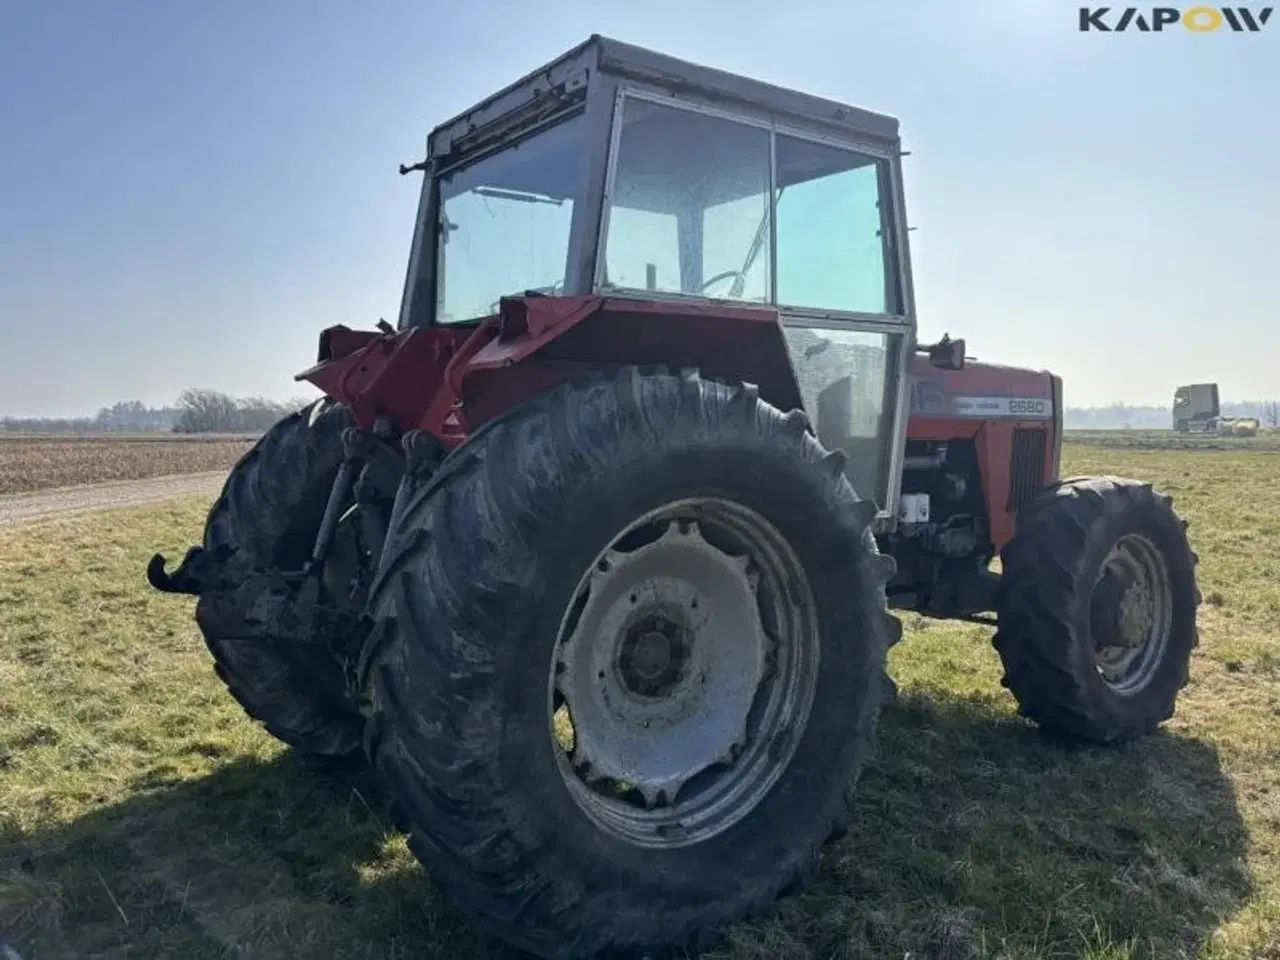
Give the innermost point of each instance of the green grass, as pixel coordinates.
(142, 816)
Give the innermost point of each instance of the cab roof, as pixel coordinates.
(601, 62)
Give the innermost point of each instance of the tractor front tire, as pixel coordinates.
(627, 662)
(1097, 610)
(265, 521)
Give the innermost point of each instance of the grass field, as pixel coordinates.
(142, 816)
(30, 462)
(1267, 440)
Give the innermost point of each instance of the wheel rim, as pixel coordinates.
(684, 673)
(1131, 614)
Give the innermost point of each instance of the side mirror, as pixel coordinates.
(947, 354)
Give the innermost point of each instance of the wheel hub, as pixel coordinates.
(1131, 614)
(668, 670)
(662, 669)
(653, 657)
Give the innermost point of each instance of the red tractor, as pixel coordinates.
(593, 554)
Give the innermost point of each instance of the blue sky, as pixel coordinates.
(190, 191)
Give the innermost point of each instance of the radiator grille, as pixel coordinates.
(1026, 467)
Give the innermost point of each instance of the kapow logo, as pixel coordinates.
(1156, 19)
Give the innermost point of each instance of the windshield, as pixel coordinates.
(691, 214)
(503, 223)
(690, 205)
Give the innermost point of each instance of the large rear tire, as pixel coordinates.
(1097, 612)
(555, 565)
(266, 521)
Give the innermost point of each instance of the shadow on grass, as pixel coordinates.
(975, 837)
(281, 858)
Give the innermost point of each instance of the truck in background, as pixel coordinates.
(1196, 407)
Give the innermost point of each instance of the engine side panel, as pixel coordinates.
(1010, 415)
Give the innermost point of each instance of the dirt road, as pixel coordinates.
(21, 508)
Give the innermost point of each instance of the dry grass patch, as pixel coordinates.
(40, 463)
(142, 816)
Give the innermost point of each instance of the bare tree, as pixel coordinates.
(205, 411)
(1271, 413)
(208, 411)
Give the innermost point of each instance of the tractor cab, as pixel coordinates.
(620, 172)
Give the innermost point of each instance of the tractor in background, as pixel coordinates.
(594, 553)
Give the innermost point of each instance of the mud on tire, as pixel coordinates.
(266, 520)
(1097, 611)
(482, 581)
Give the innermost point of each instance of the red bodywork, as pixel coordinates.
(449, 381)
(935, 415)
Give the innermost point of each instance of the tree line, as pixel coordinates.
(1121, 416)
(196, 411)
(211, 411)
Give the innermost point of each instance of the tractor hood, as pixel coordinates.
(982, 391)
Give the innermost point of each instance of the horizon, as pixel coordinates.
(173, 404)
(220, 218)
